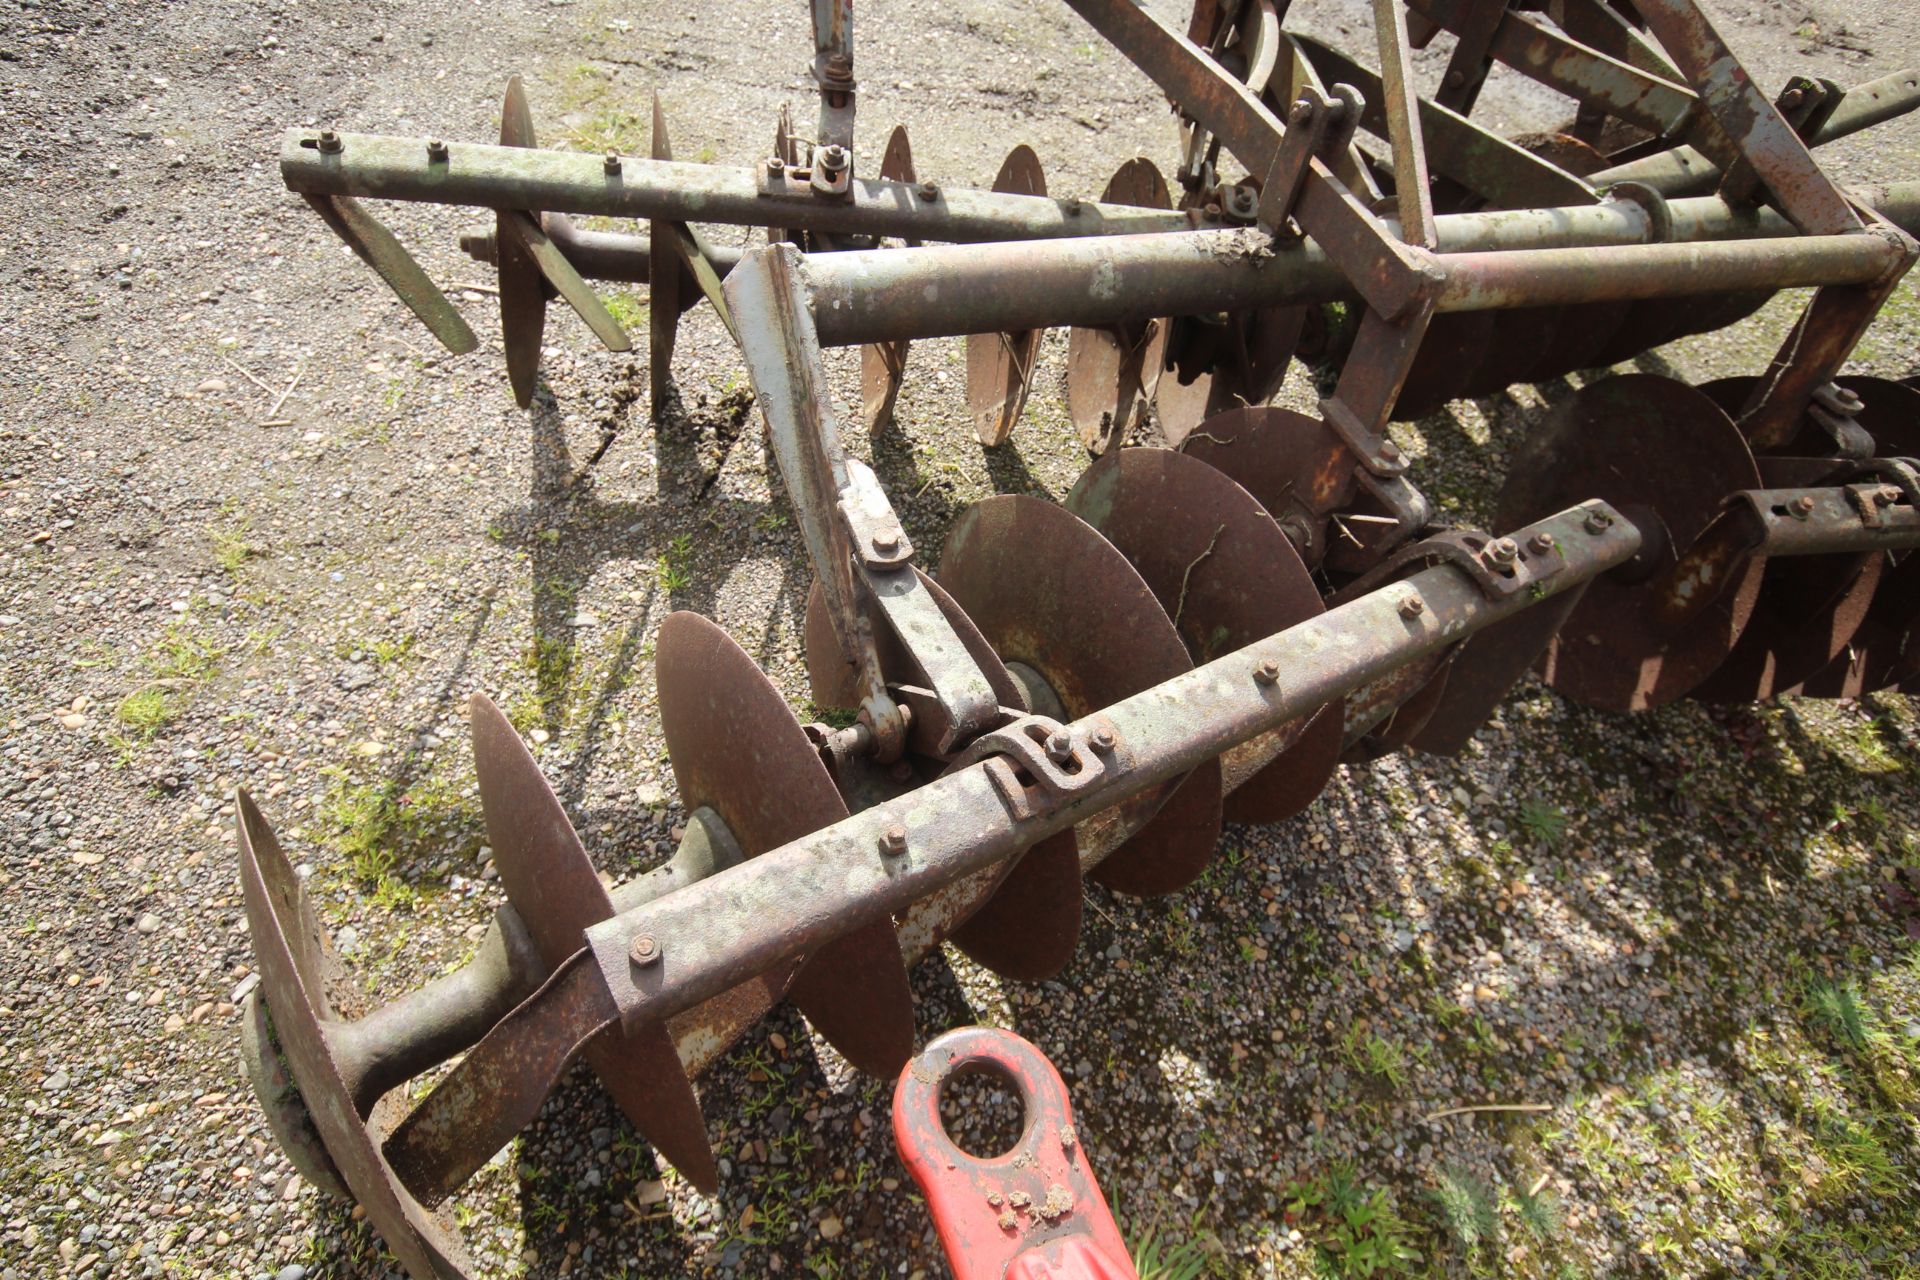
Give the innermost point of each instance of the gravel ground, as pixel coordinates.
(1671, 940)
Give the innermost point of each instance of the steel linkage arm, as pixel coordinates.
(861, 554)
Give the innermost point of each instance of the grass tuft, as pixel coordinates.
(1468, 1208)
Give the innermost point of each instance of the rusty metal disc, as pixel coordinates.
(1048, 591)
(1228, 577)
(1519, 339)
(736, 749)
(1455, 345)
(1021, 919)
(1885, 652)
(1385, 716)
(1578, 333)
(558, 895)
(1484, 670)
(883, 364)
(523, 290)
(1294, 465)
(1665, 456)
(1224, 363)
(1000, 365)
(294, 962)
(1112, 373)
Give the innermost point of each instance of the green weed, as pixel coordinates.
(1356, 1233)
(1544, 821)
(1468, 1209)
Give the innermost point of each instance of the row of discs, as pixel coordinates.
(1667, 455)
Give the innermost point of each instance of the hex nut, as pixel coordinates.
(644, 950)
(1412, 606)
(1060, 746)
(436, 149)
(1598, 522)
(1268, 672)
(893, 841)
(1541, 543)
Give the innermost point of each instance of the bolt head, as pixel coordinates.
(612, 162)
(1791, 99)
(886, 542)
(1455, 79)
(1300, 112)
(436, 149)
(893, 841)
(1889, 493)
(644, 950)
(1102, 740)
(929, 190)
(775, 166)
(1389, 451)
(1268, 672)
(1540, 544)
(1412, 606)
(1803, 505)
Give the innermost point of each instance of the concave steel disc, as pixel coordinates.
(1258, 347)
(1578, 334)
(523, 290)
(1885, 651)
(1519, 339)
(1455, 344)
(1384, 717)
(1020, 919)
(1484, 670)
(1112, 373)
(1000, 365)
(295, 965)
(1825, 622)
(558, 895)
(1048, 591)
(883, 364)
(1662, 454)
(736, 749)
(1228, 577)
(1295, 466)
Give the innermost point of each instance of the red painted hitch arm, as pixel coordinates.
(1034, 1212)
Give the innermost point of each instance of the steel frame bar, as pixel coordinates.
(869, 295)
(1684, 171)
(386, 167)
(1652, 102)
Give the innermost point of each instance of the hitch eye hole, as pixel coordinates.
(982, 1110)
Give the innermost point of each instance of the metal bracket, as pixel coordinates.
(1659, 216)
(1899, 478)
(1500, 567)
(1308, 120)
(1060, 760)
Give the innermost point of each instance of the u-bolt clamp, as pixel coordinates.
(1033, 1212)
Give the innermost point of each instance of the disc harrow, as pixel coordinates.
(1235, 597)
